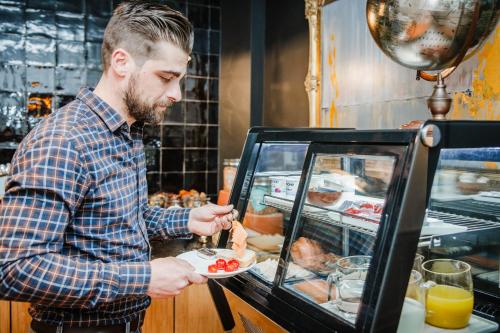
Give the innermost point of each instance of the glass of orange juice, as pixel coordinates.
(449, 296)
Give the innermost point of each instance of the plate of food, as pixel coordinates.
(223, 263)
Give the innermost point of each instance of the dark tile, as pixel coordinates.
(195, 181)
(196, 136)
(199, 2)
(93, 51)
(212, 160)
(175, 113)
(12, 77)
(13, 49)
(40, 4)
(69, 80)
(214, 66)
(172, 181)
(215, 18)
(198, 65)
(20, 3)
(214, 2)
(173, 136)
(40, 51)
(152, 159)
(13, 125)
(70, 54)
(74, 6)
(174, 4)
(213, 113)
(214, 89)
(213, 136)
(41, 22)
(214, 42)
(196, 112)
(198, 16)
(151, 136)
(153, 180)
(62, 100)
(177, 5)
(6, 154)
(99, 8)
(172, 160)
(196, 160)
(70, 26)
(201, 42)
(196, 89)
(93, 76)
(40, 79)
(212, 185)
(95, 28)
(12, 19)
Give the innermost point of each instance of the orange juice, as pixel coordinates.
(448, 306)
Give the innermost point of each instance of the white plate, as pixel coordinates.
(201, 265)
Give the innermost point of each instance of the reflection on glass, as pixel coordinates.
(266, 220)
(341, 213)
(464, 212)
(412, 318)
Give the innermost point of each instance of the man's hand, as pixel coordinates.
(210, 219)
(170, 275)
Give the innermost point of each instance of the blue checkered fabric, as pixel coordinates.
(74, 221)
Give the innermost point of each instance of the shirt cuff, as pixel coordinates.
(178, 223)
(134, 278)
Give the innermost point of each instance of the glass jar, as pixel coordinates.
(229, 173)
(261, 187)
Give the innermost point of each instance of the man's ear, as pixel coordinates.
(121, 62)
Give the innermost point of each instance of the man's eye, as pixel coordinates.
(164, 79)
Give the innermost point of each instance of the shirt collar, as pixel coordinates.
(109, 116)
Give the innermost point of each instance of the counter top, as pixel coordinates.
(172, 248)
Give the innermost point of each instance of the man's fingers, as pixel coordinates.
(221, 210)
(185, 264)
(196, 278)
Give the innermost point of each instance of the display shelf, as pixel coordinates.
(476, 325)
(325, 215)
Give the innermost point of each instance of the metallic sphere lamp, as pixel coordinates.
(432, 35)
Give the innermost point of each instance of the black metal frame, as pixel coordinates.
(403, 216)
(364, 319)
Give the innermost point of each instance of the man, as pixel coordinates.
(74, 222)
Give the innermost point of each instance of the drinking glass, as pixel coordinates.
(449, 295)
(349, 279)
(413, 312)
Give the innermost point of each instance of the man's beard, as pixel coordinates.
(139, 109)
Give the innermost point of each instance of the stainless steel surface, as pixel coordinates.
(429, 34)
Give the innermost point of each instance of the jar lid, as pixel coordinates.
(231, 161)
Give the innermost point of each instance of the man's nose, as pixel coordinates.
(174, 94)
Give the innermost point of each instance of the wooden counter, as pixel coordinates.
(191, 312)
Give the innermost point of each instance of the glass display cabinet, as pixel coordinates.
(368, 231)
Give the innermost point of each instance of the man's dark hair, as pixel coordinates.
(137, 25)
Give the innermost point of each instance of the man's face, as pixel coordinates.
(154, 86)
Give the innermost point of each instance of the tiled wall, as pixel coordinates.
(49, 49)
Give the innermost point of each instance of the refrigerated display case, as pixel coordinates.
(341, 221)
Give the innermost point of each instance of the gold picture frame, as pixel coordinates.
(312, 82)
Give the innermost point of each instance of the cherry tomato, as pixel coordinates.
(212, 268)
(230, 268)
(234, 262)
(221, 264)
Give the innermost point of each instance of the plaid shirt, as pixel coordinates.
(74, 221)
